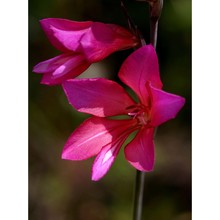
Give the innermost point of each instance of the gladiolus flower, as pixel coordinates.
(102, 98)
(81, 44)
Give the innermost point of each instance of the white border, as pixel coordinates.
(14, 110)
(206, 110)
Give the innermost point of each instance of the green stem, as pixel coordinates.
(153, 32)
(138, 199)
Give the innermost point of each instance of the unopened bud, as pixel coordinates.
(155, 8)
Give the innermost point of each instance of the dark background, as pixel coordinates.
(63, 190)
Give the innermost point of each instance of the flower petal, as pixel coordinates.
(61, 68)
(97, 96)
(92, 135)
(104, 160)
(165, 106)
(103, 39)
(108, 154)
(51, 64)
(64, 34)
(140, 151)
(141, 66)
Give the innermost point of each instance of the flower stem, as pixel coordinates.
(153, 32)
(138, 197)
(155, 12)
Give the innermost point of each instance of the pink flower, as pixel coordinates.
(81, 44)
(103, 98)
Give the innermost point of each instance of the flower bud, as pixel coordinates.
(155, 8)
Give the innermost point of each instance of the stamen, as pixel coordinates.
(139, 112)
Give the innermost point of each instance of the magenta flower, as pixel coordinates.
(81, 44)
(103, 98)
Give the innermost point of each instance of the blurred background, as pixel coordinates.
(63, 190)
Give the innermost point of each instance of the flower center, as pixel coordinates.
(139, 112)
